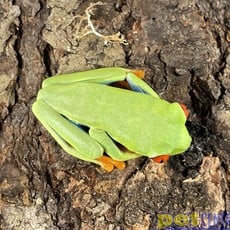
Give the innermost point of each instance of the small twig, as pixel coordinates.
(118, 37)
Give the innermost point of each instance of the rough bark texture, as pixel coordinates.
(184, 48)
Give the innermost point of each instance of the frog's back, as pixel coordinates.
(140, 122)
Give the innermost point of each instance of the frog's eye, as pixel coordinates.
(184, 108)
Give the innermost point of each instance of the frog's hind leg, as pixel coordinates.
(70, 136)
(104, 76)
(116, 154)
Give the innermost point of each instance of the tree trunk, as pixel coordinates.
(183, 46)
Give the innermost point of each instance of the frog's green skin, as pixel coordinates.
(139, 120)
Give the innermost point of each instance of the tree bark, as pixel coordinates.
(183, 46)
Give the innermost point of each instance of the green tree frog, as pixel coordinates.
(97, 122)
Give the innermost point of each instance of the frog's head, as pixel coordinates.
(165, 157)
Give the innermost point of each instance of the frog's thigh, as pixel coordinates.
(139, 85)
(69, 136)
(110, 147)
(101, 76)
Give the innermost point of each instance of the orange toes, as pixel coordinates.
(139, 73)
(108, 163)
(161, 159)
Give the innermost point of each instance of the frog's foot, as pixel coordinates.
(108, 163)
(161, 159)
